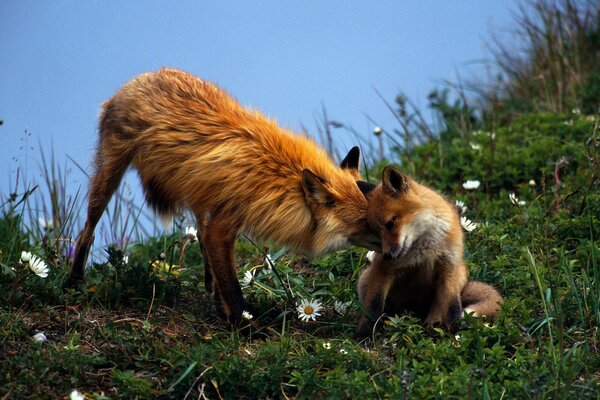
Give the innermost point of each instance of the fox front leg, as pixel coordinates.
(373, 288)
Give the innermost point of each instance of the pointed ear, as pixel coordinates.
(394, 182)
(316, 192)
(366, 187)
(352, 162)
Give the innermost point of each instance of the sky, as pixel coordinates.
(60, 60)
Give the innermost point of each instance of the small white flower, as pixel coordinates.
(371, 256)
(515, 200)
(125, 259)
(377, 131)
(532, 183)
(269, 261)
(76, 395)
(576, 111)
(247, 315)
(191, 233)
(475, 146)
(340, 307)
(40, 337)
(25, 257)
(327, 345)
(343, 351)
(457, 337)
(470, 185)
(467, 224)
(248, 278)
(38, 266)
(461, 204)
(308, 309)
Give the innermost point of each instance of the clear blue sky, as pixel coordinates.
(60, 60)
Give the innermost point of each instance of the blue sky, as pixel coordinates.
(61, 59)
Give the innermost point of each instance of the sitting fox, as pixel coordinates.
(195, 147)
(421, 268)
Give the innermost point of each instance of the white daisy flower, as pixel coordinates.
(475, 146)
(457, 337)
(25, 257)
(467, 224)
(38, 266)
(125, 259)
(471, 185)
(308, 309)
(340, 307)
(76, 395)
(247, 315)
(40, 337)
(377, 131)
(269, 261)
(461, 204)
(248, 278)
(515, 200)
(327, 345)
(532, 183)
(191, 233)
(343, 351)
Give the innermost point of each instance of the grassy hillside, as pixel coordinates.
(144, 326)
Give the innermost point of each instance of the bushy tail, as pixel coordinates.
(481, 299)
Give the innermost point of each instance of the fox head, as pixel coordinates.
(407, 216)
(339, 208)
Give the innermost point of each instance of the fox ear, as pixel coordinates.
(315, 190)
(394, 182)
(352, 162)
(365, 187)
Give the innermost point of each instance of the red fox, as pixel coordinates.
(195, 147)
(421, 267)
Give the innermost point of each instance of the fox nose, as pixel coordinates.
(392, 251)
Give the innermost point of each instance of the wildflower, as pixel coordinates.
(269, 261)
(45, 223)
(467, 224)
(343, 351)
(515, 200)
(163, 269)
(125, 259)
(457, 337)
(247, 315)
(308, 309)
(340, 307)
(371, 256)
(377, 131)
(76, 395)
(248, 278)
(475, 146)
(39, 337)
(25, 257)
(461, 205)
(576, 111)
(532, 183)
(470, 185)
(37, 265)
(191, 232)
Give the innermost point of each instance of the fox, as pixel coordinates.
(420, 268)
(197, 148)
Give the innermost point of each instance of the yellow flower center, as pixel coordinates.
(308, 310)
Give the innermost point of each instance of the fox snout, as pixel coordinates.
(397, 248)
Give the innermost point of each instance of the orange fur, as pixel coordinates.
(195, 147)
(421, 269)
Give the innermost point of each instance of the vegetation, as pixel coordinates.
(145, 327)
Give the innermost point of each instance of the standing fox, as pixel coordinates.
(421, 269)
(195, 147)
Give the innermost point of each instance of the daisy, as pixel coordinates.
(248, 278)
(471, 185)
(76, 395)
(40, 337)
(532, 183)
(475, 146)
(377, 131)
(308, 309)
(247, 315)
(343, 351)
(467, 224)
(461, 205)
(38, 266)
(191, 233)
(25, 257)
(327, 345)
(515, 200)
(125, 259)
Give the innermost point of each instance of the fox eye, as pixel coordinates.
(390, 224)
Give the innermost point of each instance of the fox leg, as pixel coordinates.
(110, 167)
(208, 279)
(447, 306)
(373, 287)
(218, 245)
